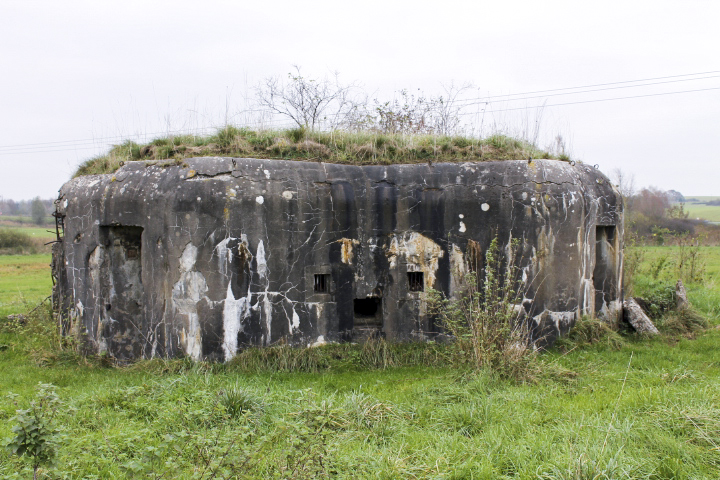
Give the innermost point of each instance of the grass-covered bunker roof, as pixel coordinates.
(352, 148)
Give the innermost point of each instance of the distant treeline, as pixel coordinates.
(653, 214)
(24, 208)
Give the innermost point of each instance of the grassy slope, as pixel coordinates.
(359, 148)
(659, 418)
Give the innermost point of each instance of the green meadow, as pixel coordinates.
(614, 407)
(698, 210)
(24, 281)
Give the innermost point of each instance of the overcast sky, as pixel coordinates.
(76, 76)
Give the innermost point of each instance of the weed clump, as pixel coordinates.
(684, 321)
(484, 319)
(590, 331)
(239, 401)
(35, 431)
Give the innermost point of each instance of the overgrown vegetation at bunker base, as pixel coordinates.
(206, 256)
(602, 405)
(351, 148)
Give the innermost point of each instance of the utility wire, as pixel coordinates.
(102, 142)
(125, 137)
(603, 84)
(591, 101)
(83, 146)
(481, 100)
(478, 99)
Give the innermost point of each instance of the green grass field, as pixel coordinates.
(710, 213)
(696, 198)
(24, 281)
(42, 233)
(19, 220)
(698, 210)
(710, 256)
(647, 409)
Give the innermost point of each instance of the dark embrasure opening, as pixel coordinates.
(416, 281)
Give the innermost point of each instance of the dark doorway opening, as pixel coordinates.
(121, 289)
(367, 309)
(368, 312)
(604, 274)
(367, 318)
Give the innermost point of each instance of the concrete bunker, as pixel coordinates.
(218, 254)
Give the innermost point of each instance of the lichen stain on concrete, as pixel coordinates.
(418, 251)
(458, 268)
(346, 250)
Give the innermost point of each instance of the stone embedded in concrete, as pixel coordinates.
(209, 257)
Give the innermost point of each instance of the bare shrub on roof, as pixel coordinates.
(310, 102)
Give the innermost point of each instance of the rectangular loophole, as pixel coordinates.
(322, 283)
(416, 281)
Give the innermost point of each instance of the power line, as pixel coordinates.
(592, 101)
(473, 102)
(601, 84)
(102, 142)
(80, 146)
(126, 137)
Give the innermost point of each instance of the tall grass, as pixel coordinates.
(353, 148)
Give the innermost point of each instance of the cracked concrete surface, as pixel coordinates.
(217, 254)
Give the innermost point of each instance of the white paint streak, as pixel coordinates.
(261, 262)
(186, 293)
(234, 312)
(224, 255)
(267, 312)
(188, 258)
(295, 325)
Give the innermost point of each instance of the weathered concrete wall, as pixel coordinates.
(206, 258)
